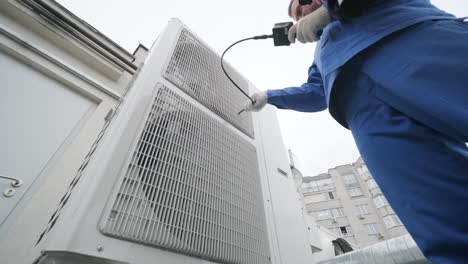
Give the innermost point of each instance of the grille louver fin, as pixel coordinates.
(196, 69)
(192, 186)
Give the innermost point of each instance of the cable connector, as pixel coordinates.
(280, 38)
(262, 37)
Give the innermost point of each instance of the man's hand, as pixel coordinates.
(260, 100)
(308, 28)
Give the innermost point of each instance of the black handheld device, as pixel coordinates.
(280, 33)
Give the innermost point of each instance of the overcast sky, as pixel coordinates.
(318, 141)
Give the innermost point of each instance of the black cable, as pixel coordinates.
(235, 43)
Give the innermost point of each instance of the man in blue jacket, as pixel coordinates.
(395, 72)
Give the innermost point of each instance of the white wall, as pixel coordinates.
(37, 114)
(54, 96)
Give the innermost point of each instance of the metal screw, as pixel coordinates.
(9, 192)
(17, 183)
(100, 248)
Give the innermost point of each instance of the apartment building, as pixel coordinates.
(348, 201)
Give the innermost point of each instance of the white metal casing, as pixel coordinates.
(81, 224)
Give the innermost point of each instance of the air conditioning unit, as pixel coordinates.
(361, 216)
(180, 172)
(380, 235)
(179, 176)
(334, 220)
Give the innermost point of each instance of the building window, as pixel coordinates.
(354, 192)
(306, 187)
(323, 214)
(372, 229)
(346, 231)
(366, 176)
(331, 195)
(375, 192)
(363, 209)
(349, 179)
(342, 231)
(330, 213)
(392, 221)
(325, 184)
(380, 201)
(318, 185)
(371, 184)
(337, 212)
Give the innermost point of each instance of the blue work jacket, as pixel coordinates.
(341, 41)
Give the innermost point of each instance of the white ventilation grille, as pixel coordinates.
(192, 186)
(196, 69)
